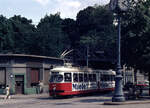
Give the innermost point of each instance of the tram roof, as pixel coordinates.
(71, 69)
(79, 69)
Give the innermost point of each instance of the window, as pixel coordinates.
(112, 77)
(90, 78)
(85, 78)
(102, 78)
(56, 77)
(75, 77)
(80, 77)
(67, 77)
(94, 77)
(106, 78)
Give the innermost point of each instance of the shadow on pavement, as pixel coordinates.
(63, 104)
(93, 100)
(44, 98)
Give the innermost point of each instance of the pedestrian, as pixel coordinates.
(7, 91)
(41, 86)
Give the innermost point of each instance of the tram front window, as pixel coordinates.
(56, 78)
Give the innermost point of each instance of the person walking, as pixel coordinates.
(41, 86)
(7, 90)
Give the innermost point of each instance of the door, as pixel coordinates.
(2, 78)
(46, 76)
(34, 74)
(19, 84)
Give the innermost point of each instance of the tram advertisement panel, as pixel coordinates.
(84, 86)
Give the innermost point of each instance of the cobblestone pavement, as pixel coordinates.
(44, 101)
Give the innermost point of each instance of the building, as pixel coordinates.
(23, 72)
(129, 75)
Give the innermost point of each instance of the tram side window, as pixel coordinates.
(103, 77)
(67, 77)
(75, 77)
(106, 78)
(90, 77)
(112, 77)
(80, 77)
(86, 78)
(94, 77)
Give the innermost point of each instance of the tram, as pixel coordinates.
(69, 81)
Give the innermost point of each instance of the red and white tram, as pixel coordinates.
(66, 81)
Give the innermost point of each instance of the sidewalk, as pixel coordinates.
(143, 100)
(22, 96)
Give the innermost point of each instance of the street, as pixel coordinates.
(44, 101)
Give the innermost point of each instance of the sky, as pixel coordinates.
(37, 9)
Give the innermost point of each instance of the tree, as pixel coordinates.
(96, 27)
(136, 36)
(22, 34)
(53, 40)
(6, 41)
(70, 28)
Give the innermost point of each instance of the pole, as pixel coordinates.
(87, 56)
(118, 93)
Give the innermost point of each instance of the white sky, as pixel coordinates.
(37, 9)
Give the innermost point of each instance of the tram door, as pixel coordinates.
(19, 84)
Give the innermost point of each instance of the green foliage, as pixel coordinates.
(69, 27)
(16, 35)
(53, 40)
(96, 29)
(22, 34)
(136, 36)
(53, 35)
(6, 41)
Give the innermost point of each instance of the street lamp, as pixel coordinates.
(118, 7)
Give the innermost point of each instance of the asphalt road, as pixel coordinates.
(44, 101)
